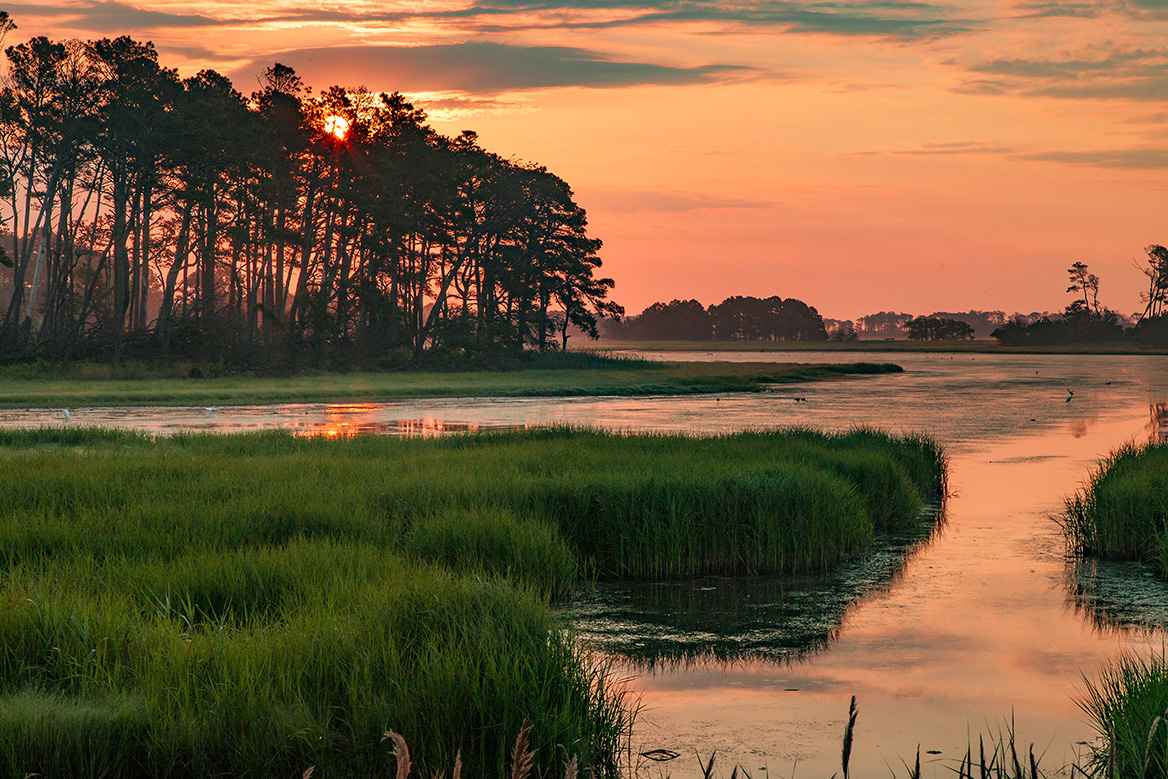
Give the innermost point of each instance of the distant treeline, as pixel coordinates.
(736, 318)
(144, 215)
(777, 319)
(892, 324)
(1085, 321)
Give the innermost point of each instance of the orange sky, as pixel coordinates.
(861, 156)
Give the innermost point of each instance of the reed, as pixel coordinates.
(1128, 707)
(120, 668)
(257, 605)
(1122, 511)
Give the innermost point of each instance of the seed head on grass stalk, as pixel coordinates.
(523, 756)
(848, 734)
(400, 751)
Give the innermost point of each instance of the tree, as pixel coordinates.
(677, 320)
(771, 319)
(938, 329)
(886, 323)
(1087, 283)
(140, 212)
(1157, 272)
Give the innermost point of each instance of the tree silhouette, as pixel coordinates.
(151, 216)
(1087, 283)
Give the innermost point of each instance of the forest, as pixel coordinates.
(737, 318)
(148, 216)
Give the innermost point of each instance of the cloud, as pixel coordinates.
(894, 19)
(625, 200)
(1130, 159)
(1054, 9)
(107, 16)
(480, 68)
(1146, 9)
(1138, 74)
(457, 106)
(957, 147)
(900, 19)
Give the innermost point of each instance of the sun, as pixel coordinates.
(337, 127)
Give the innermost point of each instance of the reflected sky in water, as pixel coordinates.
(961, 399)
(984, 622)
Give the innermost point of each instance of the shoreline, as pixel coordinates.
(891, 346)
(664, 379)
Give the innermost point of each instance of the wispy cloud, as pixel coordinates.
(957, 147)
(1047, 9)
(626, 200)
(107, 16)
(894, 19)
(481, 68)
(1138, 74)
(1132, 159)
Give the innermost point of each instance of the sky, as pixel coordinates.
(861, 156)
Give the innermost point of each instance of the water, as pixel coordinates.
(938, 636)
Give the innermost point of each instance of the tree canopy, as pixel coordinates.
(148, 215)
(925, 328)
(738, 318)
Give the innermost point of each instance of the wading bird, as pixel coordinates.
(65, 414)
(1070, 395)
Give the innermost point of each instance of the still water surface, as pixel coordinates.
(939, 636)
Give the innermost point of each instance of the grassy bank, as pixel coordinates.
(255, 605)
(1122, 512)
(25, 387)
(1126, 706)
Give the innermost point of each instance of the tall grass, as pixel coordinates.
(1128, 707)
(1122, 512)
(255, 605)
(266, 662)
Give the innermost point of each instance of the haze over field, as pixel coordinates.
(860, 156)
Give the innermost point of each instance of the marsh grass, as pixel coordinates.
(570, 374)
(1122, 511)
(254, 605)
(1128, 707)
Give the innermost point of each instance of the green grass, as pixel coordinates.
(1122, 512)
(254, 605)
(1128, 707)
(572, 374)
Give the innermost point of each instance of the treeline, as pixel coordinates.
(736, 318)
(1085, 321)
(152, 216)
(894, 324)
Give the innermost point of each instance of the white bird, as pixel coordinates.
(210, 409)
(65, 414)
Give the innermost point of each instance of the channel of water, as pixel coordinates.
(940, 636)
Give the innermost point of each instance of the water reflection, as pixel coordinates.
(727, 620)
(426, 427)
(1160, 421)
(1117, 596)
